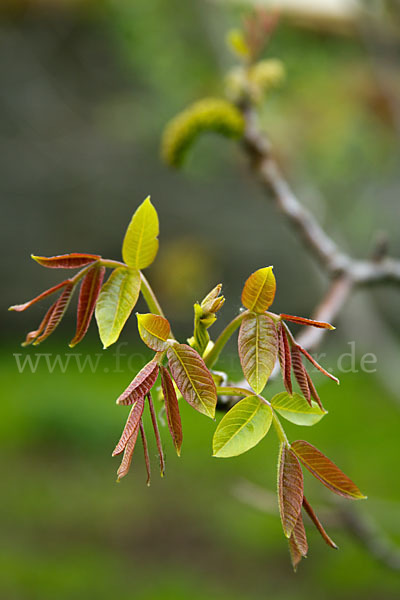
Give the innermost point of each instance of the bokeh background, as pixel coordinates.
(86, 88)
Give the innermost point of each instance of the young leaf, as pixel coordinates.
(326, 471)
(298, 545)
(89, 292)
(140, 244)
(141, 384)
(131, 424)
(52, 290)
(127, 458)
(146, 452)
(172, 409)
(290, 489)
(56, 313)
(317, 365)
(259, 290)
(309, 510)
(115, 303)
(285, 360)
(66, 261)
(193, 379)
(154, 331)
(304, 321)
(300, 373)
(296, 409)
(242, 427)
(157, 435)
(313, 392)
(258, 348)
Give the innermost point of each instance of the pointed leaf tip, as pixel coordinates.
(140, 243)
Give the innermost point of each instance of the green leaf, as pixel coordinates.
(259, 290)
(258, 349)
(193, 379)
(242, 427)
(140, 244)
(326, 471)
(296, 409)
(116, 301)
(154, 331)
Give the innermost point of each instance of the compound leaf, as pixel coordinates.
(193, 379)
(242, 427)
(140, 244)
(258, 348)
(296, 409)
(116, 301)
(259, 290)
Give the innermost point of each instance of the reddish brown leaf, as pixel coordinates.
(285, 360)
(127, 458)
(193, 379)
(66, 261)
(290, 489)
(172, 409)
(309, 510)
(300, 373)
(131, 424)
(52, 290)
(304, 321)
(146, 451)
(157, 435)
(317, 365)
(89, 292)
(325, 470)
(141, 385)
(314, 392)
(298, 545)
(32, 335)
(57, 312)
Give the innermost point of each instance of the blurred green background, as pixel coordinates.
(86, 90)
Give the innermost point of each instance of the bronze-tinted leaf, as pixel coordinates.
(313, 391)
(146, 452)
(131, 424)
(300, 373)
(141, 385)
(157, 435)
(52, 290)
(285, 360)
(304, 321)
(298, 545)
(193, 379)
(258, 349)
(56, 314)
(309, 510)
(259, 290)
(89, 292)
(325, 470)
(290, 489)
(172, 409)
(32, 335)
(66, 261)
(127, 458)
(154, 331)
(317, 365)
